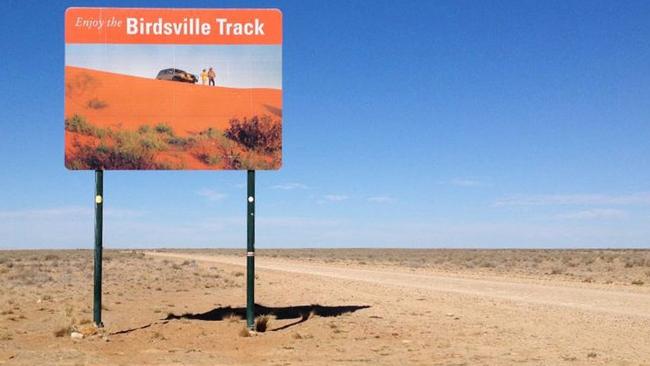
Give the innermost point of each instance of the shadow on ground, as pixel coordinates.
(301, 312)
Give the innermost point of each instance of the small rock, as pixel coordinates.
(76, 335)
(449, 314)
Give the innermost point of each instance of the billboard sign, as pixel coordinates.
(173, 89)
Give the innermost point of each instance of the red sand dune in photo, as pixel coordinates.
(131, 101)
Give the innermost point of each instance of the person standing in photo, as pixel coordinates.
(211, 76)
(204, 77)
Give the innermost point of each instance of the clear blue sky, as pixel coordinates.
(420, 124)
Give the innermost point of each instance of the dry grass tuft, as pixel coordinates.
(63, 331)
(158, 336)
(233, 318)
(244, 332)
(262, 323)
(28, 276)
(6, 336)
(96, 104)
(88, 330)
(51, 257)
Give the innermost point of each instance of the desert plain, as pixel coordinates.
(328, 307)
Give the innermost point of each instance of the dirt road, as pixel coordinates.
(510, 320)
(586, 299)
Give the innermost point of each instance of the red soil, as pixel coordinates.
(130, 101)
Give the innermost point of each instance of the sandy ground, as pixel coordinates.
(184, 308)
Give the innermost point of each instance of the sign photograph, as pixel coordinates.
(173, 89)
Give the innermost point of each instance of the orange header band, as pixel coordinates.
(173, 26)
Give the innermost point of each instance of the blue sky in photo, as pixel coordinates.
(406, 124)
(236, 66)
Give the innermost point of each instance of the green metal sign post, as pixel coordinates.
(250, 251)
(97, 275)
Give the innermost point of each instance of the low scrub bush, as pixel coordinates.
(119, 149)
(164, 128)
(63, 331)
(247, 144)
(261, 134)
(80, 125)
(208, 158)
(96, 104)
(113, 157)
(262, 323)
